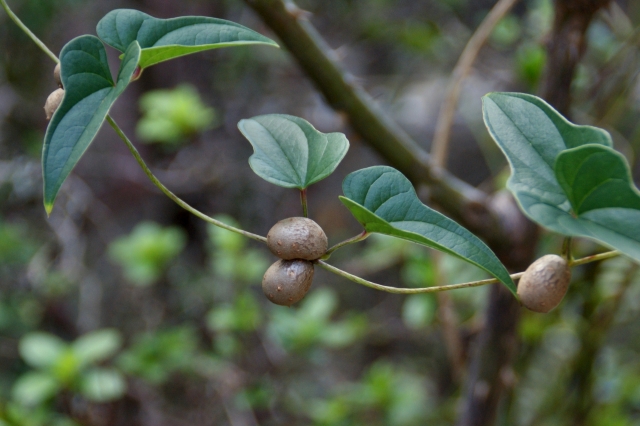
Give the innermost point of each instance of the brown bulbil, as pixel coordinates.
(544, 283)
(53, 102)
(56, 75)
(297, 238)
(287, 281)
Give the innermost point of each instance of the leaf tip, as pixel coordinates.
(48, 207)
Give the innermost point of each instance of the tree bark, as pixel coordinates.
(565, 47)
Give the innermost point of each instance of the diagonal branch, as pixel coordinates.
(458, 199)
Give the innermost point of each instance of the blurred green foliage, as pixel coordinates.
(60, 366)
(17, 415)
(204, 343)
(310, 325)
(16, 248)
(155, 356)
(171, 116)
(384, 396)
(145, 253)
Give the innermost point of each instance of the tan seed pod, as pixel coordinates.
(287, 281)
(56, 75)
(53, 102)
(544, 283)
(297, 238)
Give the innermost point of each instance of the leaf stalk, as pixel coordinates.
(360, 237)
(303, 201)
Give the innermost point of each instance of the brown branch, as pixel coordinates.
(439, 147)
(492, 358)
(463, 202)
(566, 46)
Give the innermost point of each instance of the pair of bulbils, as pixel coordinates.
(298, 242)
(55, 98)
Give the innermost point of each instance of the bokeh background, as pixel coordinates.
(123, 309)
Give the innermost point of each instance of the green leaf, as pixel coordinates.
(34, 388)
(596, 177)
(89, 94)
(103, 385)
(598, 183)
(565, 177)
(96, 346)
(41, 350)
(384, 201)
(164, 39)
(290, 152)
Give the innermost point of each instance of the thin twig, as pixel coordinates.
(566, 249)
(449, 321)
(441, 138)
(360, 237)
(28, 32)
(594, 258)
(435, 289)
(171, 195)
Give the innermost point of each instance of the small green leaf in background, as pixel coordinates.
(530, 62)
(507, 32)
(154, 356)
(242, 315)
(34, 388)
(164, 39)
(41, 350)
(419, 310)
(103, 385)
(565, 177)
(171, 116)
(231, 258)
(290, 152)
(311, 324)
(383, 200)
(89, 94)
(96, 346)
(146, 252)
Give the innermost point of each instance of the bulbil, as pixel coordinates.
(544, 283)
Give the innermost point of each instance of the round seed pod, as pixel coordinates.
(287, 281)
(53, 102)
(297, 238)
(544, 283)
(56, 75)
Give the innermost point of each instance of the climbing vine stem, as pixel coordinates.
(435, 289)
(28, 32)
(171, 195)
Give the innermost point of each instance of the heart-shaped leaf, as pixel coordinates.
(89, 94)
(289, 152)
(383, 200)
(164, 39)
(605, 203)
(565, 177)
